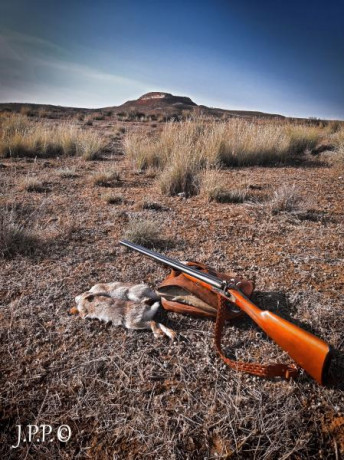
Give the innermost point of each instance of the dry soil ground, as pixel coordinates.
(126, 395)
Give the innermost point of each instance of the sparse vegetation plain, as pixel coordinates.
(123, 394)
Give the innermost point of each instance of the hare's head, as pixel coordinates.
(88, 302)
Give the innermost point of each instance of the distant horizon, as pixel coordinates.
(169, 92)
(268, 56)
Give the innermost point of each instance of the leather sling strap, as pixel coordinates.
(269, 370)
(220, 309)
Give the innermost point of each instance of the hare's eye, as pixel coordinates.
(90, 298)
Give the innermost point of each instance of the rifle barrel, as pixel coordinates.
(205, 277)
(310, 352)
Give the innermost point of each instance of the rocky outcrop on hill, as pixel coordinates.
(158, 103)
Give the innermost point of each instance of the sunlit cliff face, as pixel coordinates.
(148, 96)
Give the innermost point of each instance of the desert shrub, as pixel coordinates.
(286, 199)
(110, 198)
(338, 140)
(151, 205)
(338, 156)
(27, 111)
(106, 178)
(302, 138)
(14, 124)
(213, 187)
(230, 196)
(67, 172)
(20, 137)
(15, 238)
(334, 126)
(32, 184)
(144, 232)
(44, 113)
(99, 116)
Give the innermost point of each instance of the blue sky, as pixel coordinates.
(274, 56)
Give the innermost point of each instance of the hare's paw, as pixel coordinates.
(156, 330)
(167, 331)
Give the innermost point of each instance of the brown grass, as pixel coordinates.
(182, 150)
(181, 177)
(230, 196)
(338, 155)
(232, 143)
(20, 137)
(286, 198)
(15, 238)
(144, 232)
(67, 173)
(32, 184)
(106, 178)
(110, 198)
(214, 188)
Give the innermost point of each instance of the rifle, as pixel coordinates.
(309, 352)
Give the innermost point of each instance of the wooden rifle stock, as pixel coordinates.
(309, 352)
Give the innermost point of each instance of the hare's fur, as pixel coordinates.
(124, 304)
(126, 291)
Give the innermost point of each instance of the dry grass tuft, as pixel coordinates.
(214, 188)
(110, 198)
(143, 151)
(106, 178)
(181, 177)
(286, 199)
(15, 238)
(145, 233)
(149, 205)
(90, 145)
(67, 173)
(152, 206)
(250, 144)
(20, 137)
(338, 157)
(230, 196)
(32, 184)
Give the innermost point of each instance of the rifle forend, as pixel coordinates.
(309, 352)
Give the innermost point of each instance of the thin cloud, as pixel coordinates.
(30, 65)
